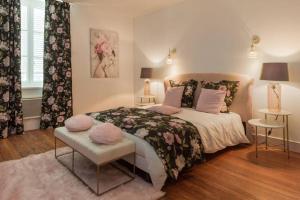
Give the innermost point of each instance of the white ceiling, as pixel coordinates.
(133, 8)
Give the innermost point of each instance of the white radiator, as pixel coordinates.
(32, 107)
(32, 113)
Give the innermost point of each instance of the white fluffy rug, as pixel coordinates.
(41, 176)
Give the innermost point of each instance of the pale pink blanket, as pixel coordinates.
(164, 109)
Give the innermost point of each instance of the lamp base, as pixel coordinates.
(147, 87)
(274, 97)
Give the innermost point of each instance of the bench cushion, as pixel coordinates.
(98, 153)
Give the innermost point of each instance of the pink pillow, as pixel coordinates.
(105, 133)
(173, 97)
(210, 101)
(166, 110)
(79, 123)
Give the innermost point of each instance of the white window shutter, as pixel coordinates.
(32, 42)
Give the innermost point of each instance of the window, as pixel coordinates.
(32, 42)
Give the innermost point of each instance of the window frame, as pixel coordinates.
(31, 5)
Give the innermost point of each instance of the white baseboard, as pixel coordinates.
(294, 146)
(31, 123)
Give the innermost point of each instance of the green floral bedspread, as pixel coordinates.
(176, 142)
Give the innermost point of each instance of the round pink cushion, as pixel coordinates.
(105, 133)
(79, 123)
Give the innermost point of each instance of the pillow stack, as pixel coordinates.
(215, 97)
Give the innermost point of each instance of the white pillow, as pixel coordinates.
(79, 123)
(105, 133)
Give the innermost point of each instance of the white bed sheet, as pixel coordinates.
(217, 131)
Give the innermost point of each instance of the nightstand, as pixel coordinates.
(146, 100)
(269, 125)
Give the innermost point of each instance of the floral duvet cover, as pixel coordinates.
(176, 141)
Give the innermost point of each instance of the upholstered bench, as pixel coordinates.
(99, 154)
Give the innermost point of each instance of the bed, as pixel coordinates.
(217, 131)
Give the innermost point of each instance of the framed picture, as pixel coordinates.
(104, 53)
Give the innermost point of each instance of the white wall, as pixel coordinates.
(209, 37)
(214, 36)
(98, 94)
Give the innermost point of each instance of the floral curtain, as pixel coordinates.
(11, 114)
(57, 89)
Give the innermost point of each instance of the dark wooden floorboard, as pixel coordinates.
(234, 173)
(8, 150)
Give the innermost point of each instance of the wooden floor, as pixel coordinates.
(231, 174)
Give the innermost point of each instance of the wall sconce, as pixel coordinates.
(254, 42)
(170, 60)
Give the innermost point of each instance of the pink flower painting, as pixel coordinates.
(104, 54)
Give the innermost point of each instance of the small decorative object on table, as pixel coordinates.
(269, 125)
(146, 100)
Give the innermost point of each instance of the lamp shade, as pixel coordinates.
(146, 73)
(275, 72)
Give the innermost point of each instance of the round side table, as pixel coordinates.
(266, 124)
(285, 120)
(146, 100)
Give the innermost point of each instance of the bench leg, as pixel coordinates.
(287, 136)
(73, 158)
(134, 160)
(266, 132)
(72, 170)
(98, 179)
(55, 147)
(256, 142)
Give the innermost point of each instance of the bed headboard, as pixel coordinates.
(242, 104)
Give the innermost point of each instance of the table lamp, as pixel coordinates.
(146, 73)
(274, 72)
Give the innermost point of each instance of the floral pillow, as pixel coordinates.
(190, 87)
(231, 88)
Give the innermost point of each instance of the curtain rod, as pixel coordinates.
(66, 1)
(71, 1)
(75, 2)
